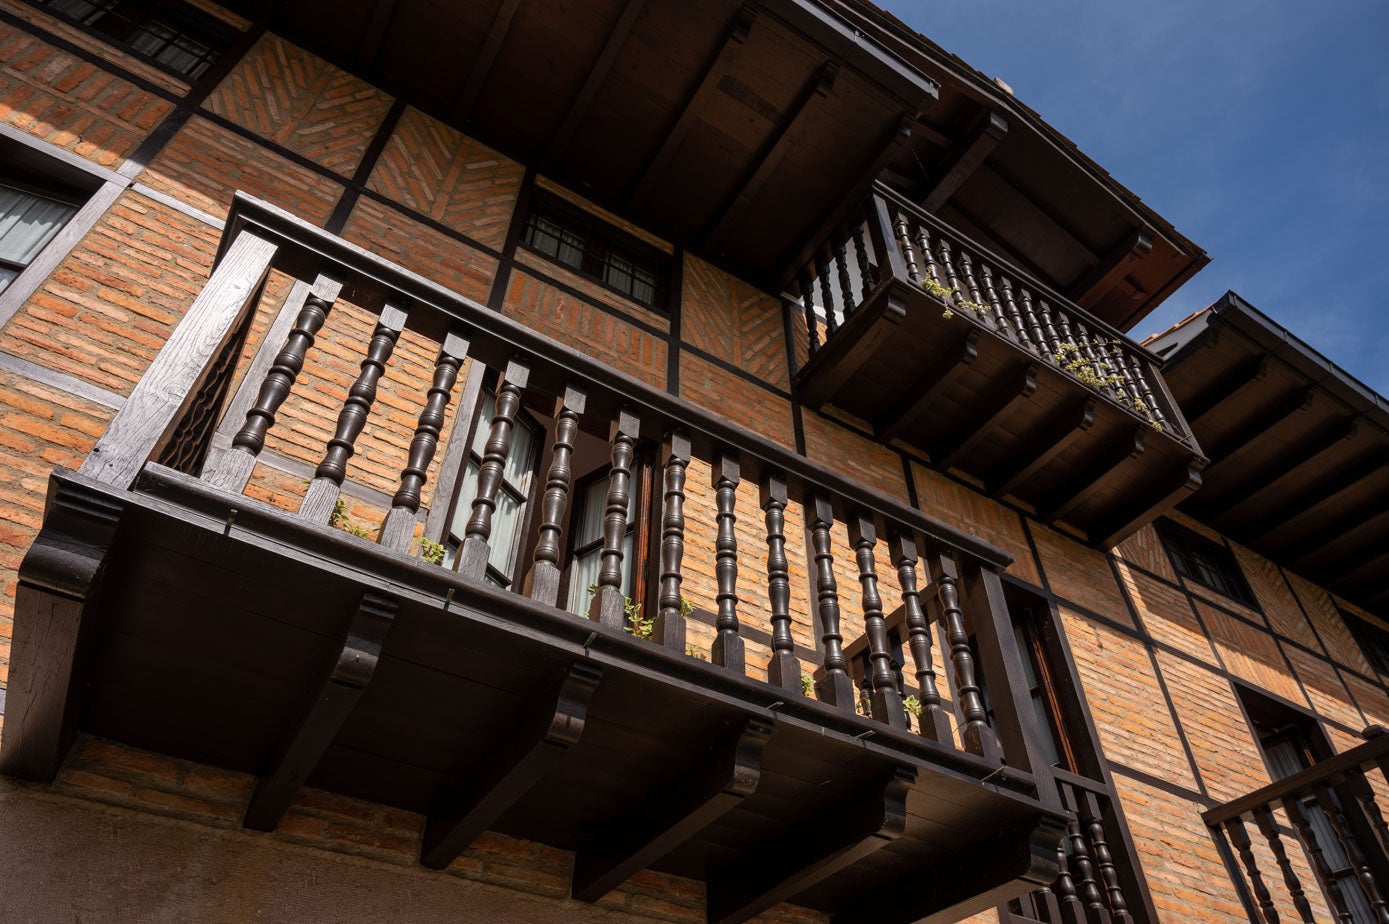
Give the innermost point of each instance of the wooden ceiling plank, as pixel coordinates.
(370, 46)
(694, 106)
(1367, 511)
(596, 75)
(1107, 460)
(1327, 488)
(1299, 455)
(1149, 503)
(1111, 272)
(922, 393)
(1342, 573)
(813, 851)
(818, 88)
(537, 741)
(1057, 433)
(1006, 395)
(463, 103)
(967, 157)
(1226, 387)
(1244, 435)
(712, 783)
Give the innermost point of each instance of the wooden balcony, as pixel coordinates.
(934, 342)
(163, 607)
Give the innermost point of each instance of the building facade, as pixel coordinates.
(648, 462)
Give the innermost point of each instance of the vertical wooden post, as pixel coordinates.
(1239, 837)
(976, 735)
(608, 604)
(887, 702)
(1297, 813)
(784, 668)
(835, 686)
(472, 560)
(935, 724)
(728, 644)
(1268, 826)
(669, 628)
(543, 580)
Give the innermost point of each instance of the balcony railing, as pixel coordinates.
(166, 473)
(1324, 819)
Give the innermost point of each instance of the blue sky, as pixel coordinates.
(1259, 128)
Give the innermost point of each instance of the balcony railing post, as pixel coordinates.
(1268, 827)
(149, 416)
(894, 248)
(543, 581)
(976, 734)
(728, 644)
(669, 628)
(933, 721)
(1298, 815)
(472, 560)
(784, 668)
(886, 702)
(609, 603)
(834, 685)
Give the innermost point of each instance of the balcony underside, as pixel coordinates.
(211, 637)
(979, 405)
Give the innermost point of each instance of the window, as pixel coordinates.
(29, 219)
(1374, 641)
(1198, 559)
(177, 38)
(595, 249)
(1055, 738)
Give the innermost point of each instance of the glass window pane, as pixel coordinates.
(28, 222)
(543, 235)
(583, 574)
(589, 527)
(483, 429)
(6, 275)
(644, 286)
(467, 490)
(506, 527)
(571, 249)
(521, 459)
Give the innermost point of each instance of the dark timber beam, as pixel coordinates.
(1007, 394)
(922, 393)
(813, 851)
(1225, 388)
(716, 781)
(54, 629)
(1366, 512)
(1105, 461)
(1327, 488)
(324, 714)
(966, 159)
(1256, 425)
(462, 108)
(1148, 503)
(1054, 436)
(1340, 574)
(1302, 453)
(1093, 286)
(370, 45)
(521, 759)
(694, 106)
(596, 75)
(773, 152)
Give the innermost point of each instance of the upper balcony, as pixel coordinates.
(930, 339)
(165, 607)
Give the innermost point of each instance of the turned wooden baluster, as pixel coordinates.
(1128, 388)
(1358, 785)
(784, 668)
(977, 735)
(1099, 848)
(608, 605)
(472, 560)
(1146, 391)
(865, 271)
(1297, 814)
(1063, 327)
(1072, 911)
(834, 687)
(846, 282)
(812, 328)
(1090, 895)
(1239, 837)
(1085, 341)
(1010, 304)
(887, 702)
(822, 270)
(235, 468)
(991, 293)
(399, 527)
(904, 244)
(1339, 823)
(1268, 827)
(1053, 342)
(947, 264)
(728, 644)
(669, 629)
(972, 288)
(1034, 327)
(923, 244)
(933, 721)
(543, 580)
(322, 494)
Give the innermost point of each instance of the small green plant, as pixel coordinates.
(636, 626)
(807, 685)
(338, 520)
(431, 551)
(912, 705)
(951, 294)
(694, 652)
(1099, 374)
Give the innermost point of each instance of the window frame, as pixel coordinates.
(1204, 562)
(183, 20)
(1373, 641)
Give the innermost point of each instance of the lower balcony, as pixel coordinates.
(164, 607)
(931, 340)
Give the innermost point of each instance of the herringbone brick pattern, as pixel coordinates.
(298, 100)
(391, 235)
(1080, 574)
(1249, 653)
(1335, 634)
(1284, 615)
(740, 401)
(442, 173)
(1145, 550)
(728, 318)
(70, 103)
(962, 508)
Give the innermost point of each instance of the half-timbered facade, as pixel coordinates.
(646, 460)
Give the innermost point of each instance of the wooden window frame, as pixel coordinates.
(1207, 563)
(117, 22)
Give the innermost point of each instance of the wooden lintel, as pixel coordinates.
(54, 627)
(993, 408)
(617, 37)
(1366, 513)
(1225, 388)
(778, 145)
(1106, 460)
(1010, 864)
(1149, 503)
(966, 159)
(712, 783)
(1092, 287)
(462, 107)
(324, 714)
(1252, 427)
(521, 759)
(694, 106)
(814, 850)
(1048, 441)
(922, 393)
(1299, 454)
(1327, 488)
(370, 45)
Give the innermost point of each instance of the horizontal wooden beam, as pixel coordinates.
(1366, 512)
(1106, 460)
(1093, 286)
(1058, 432)
(1327, 488)
(324, 714)
(1245, 435)
(922, 393)
(536, 742)
(710, 784)
(370, 45)
(1008, 393)
(813, 851)
(966, 158)
(1148, 503)
(462, 108)
(1341, 573)
(1224, 388)
(1296, 456)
